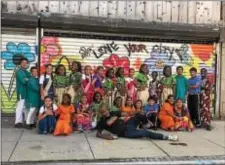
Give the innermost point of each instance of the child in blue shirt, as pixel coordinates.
(151, 111)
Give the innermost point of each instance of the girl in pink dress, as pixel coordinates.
(87, 85)
(130, 83)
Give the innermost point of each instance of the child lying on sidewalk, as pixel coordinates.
(110, 121)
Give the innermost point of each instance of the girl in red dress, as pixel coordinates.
(87, 85)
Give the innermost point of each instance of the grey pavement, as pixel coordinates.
(20, 145)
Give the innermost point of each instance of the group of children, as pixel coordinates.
(71, 101)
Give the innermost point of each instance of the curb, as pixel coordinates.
(220, 159)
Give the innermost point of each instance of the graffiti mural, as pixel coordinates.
(14, 53)
(107, 53)
(50, 50)
(11, 54)
(114, 61)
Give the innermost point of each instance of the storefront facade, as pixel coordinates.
(110, 43)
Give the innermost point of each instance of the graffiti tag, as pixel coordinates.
(132, 48)
(107, 48)
(85, 52)
(181, 52)
(111, 48)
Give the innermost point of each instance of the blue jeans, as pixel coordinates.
(47, 124)
(133, 132)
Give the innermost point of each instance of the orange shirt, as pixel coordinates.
(167, 109)
(128, 110)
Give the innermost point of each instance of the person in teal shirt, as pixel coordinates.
(33, 97)
(181, 85)
(22, 76)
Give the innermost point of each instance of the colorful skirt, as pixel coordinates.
(143, 95)
(184, 125)
(63, 127)
(110, 98)
(59, 93)
(83, 121)
(165, 93)
(167, 122)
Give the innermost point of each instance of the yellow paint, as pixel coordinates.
(43, 49)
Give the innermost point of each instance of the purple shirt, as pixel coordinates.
(98, 83)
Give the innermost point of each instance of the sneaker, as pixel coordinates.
(173, 137)
(80, 128)
(147, 126)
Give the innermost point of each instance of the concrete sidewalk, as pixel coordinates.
(26, 145)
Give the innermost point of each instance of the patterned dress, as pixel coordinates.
(121, 89)
(143, 93)
(60, 82)
(132, 90)
(205, 102)
(98, 84)
(83, 119)
(154, 89)
(109, 86)
(167, 85)
(88, 88)
(75, 81)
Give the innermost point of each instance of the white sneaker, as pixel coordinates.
(147, 126)
(173, 137)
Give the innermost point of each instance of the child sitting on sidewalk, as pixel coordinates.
(151, 111)
(46, 117)
(65, 112)
(83, 117)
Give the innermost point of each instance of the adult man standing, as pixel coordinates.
(194, 90)
(22, 76)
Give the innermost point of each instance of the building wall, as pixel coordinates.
(15, 43)
(190, 12)
(222, 81)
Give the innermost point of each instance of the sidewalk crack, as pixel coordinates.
(160, 148)
(215, 143)
(15, 146)
(92, 152)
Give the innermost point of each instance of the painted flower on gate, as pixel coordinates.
(114, 61)
(14, 53)
(50, 50)
(159, 58)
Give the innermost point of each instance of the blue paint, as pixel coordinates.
(14, 53)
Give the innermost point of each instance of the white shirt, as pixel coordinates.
(44, 110)
(42, 78)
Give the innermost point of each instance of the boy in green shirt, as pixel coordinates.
(33, 97)
(181, 85)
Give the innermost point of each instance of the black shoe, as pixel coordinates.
(28, 127)
(33, 125)
(19, 125)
